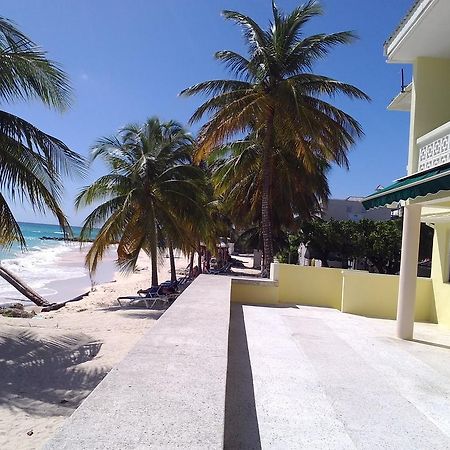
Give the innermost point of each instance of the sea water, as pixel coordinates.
(40, 264)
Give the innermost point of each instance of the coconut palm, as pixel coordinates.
(237, 178)
(31, 161)
(151, 191)
(275, 91)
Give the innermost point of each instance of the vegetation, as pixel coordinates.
(237, 179)
(276, 98)
(151, 197)
(32, 162)
(378, 244)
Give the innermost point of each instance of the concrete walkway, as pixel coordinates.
(314, 378)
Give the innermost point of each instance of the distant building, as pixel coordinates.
(352, 208)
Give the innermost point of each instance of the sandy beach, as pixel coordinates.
(50, 363)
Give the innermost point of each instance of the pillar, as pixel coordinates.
(408, 272)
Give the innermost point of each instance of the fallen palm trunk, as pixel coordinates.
(32, 295)
(22, 287)
(56, 306)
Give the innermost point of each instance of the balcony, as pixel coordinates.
(434, 148)
(402, 102)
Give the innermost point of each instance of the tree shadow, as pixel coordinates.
(46, 371)
(241, 421)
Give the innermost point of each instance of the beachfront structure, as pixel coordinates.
(351, 208)
(423, 40)
(213, 375)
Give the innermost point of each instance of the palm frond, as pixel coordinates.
(25, 71)
(59, 158)
(11, 231)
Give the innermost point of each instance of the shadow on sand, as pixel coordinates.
(241, 421)
(37, 370)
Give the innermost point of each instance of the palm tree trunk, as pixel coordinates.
(199, 258)
(173, 273)
(266, 204)
(24, 289)
(208, 260)
(154, 260)
(191, 264)
(154, 248)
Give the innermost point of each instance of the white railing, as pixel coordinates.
(434, 148)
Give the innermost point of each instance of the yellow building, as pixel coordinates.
(423, 40)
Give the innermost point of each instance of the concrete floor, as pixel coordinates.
(314, 378)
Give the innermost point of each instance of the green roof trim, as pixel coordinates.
(410, 187)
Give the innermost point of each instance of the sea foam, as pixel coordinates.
(40, 266)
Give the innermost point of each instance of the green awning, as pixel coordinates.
(412, 186)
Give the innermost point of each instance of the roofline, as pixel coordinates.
(396, 35)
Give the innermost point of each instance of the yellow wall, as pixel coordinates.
(354, 292)
(429, 103)
(257, 292)
(313, 286)
(375, 295)
(440, 273)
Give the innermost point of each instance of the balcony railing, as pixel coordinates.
(434, 148)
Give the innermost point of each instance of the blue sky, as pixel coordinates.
(129, 60)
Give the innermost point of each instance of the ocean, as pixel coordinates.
(46, 263)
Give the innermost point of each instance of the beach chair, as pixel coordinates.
(224, 269)
(150, 296)
(185, 271)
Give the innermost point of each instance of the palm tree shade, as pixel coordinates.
(32, 162)
(149, 195)
(275, 95)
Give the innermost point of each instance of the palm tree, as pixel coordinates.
(237, 178)
(274, 91)
(31, 161)
(151, 192)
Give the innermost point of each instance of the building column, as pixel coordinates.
(408, 272)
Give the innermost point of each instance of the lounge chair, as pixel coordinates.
(157, 290)
(149, 296)
(185, 271)
(224, 269)
(166, 292)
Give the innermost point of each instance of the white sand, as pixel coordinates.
(50, 363)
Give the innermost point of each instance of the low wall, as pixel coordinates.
(255, 291)
(169, 391)
(375, 295)
(350, 291)
(312, 286)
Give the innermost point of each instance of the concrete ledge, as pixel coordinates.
(254, 281)
(169, 391)
(254, 291)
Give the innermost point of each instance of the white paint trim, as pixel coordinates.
(402, 34)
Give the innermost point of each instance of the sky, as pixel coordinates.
(128, 61)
